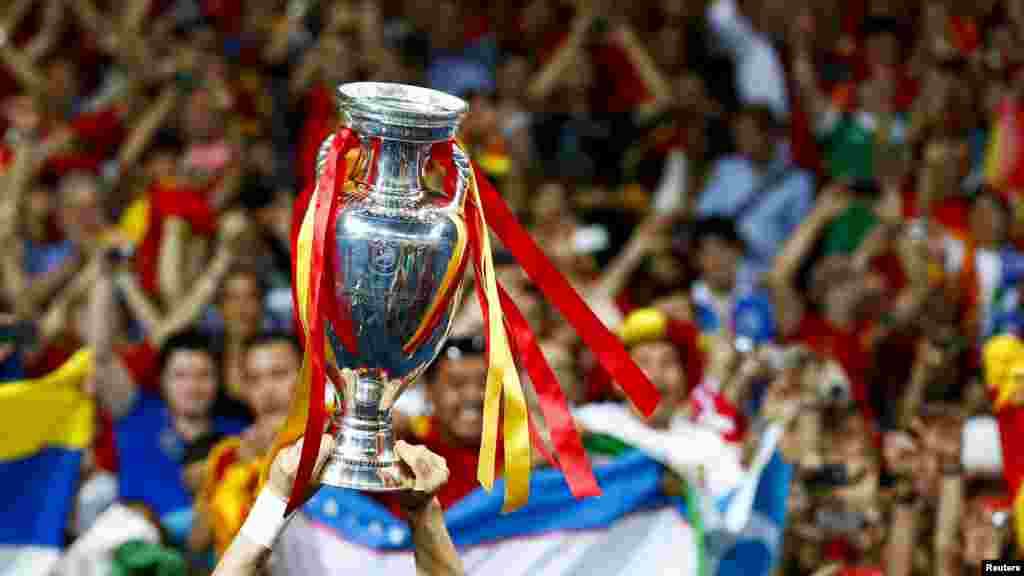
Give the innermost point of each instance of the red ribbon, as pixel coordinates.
(607, 348)
(327, 203)
(572, 458)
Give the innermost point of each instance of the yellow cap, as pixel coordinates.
(644, 325)
(1003, 361)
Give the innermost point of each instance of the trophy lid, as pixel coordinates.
(400, 111)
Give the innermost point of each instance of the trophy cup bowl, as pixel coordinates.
(398, 253)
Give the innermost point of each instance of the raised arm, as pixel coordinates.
(814, 102)
(115, 388)
(788, 303)
(13, 15)
(161, 326)
(171, 260)
(548, 76)
(24, 71)
(899, 547)
(146, 126)
(644, 241)
(54, 317)
(641, 59)
(44, 41)
(134, 13)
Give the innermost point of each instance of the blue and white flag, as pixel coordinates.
(734, 527)
(633, 528)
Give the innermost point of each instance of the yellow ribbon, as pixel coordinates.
(295, 425)
(502, 382)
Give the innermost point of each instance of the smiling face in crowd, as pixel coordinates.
(661, 363)
(457, 395)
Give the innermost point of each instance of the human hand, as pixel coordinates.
(803, 29)
(649, 236)
(286, 464)
(429, 471)
(898, 450)
(233, 226)
(928, 358)
(722, 357)
(833, 201)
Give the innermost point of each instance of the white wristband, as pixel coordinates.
(266, 519)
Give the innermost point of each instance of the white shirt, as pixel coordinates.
(760, 76)
(989, 267)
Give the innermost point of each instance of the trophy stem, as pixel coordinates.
(364, 457)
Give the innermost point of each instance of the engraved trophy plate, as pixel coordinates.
(397, 257)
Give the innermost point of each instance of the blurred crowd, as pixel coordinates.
(791, 199)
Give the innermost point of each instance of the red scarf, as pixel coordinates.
(166, 201)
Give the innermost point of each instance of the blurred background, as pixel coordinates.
(800, 216)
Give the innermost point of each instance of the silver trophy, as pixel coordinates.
(399, 250)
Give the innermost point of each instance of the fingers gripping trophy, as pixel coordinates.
(379, 262)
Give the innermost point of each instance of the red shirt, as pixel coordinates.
(96, 134)
(1011, 430)
(844, 346)
(618, 86)
(167, 201)
(462, 464)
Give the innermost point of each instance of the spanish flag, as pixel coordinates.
(48, 423)
(1004, 169)
(1003, 359)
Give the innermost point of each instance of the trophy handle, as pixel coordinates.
(321, 156)
(463, 178)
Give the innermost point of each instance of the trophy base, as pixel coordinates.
(365, 460)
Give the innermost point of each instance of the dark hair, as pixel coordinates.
(273, 337)
(166, 140)
(763, 115)
(456, 348)
(413, 50)
(986, 191)
(189, 341)
(256, 193)
(246, 270)
(878, 25)
(719, 227)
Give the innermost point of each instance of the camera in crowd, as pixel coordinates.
(823, 379)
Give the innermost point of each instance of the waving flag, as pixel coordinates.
(632, 528)
(48, 422)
